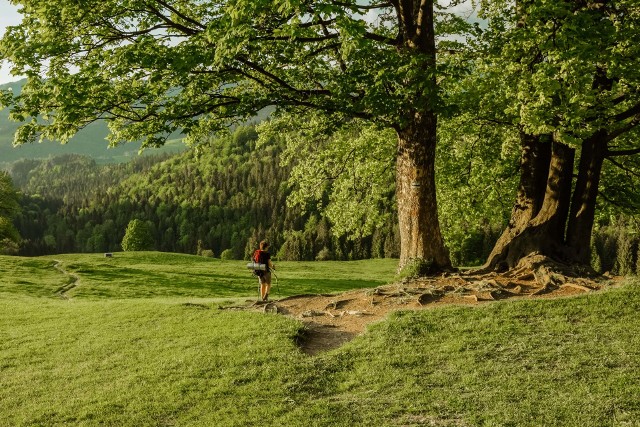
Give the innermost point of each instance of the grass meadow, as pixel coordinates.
(142, 340)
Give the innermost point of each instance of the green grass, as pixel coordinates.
(156, 274)
(29, 276)
(565, 362)
(113, 355)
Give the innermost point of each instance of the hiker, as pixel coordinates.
(262, 256)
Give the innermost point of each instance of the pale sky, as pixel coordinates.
(8, 16)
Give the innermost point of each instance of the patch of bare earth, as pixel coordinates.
(332, 320)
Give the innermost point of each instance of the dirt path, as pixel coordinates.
(73, 281)
(333, 320)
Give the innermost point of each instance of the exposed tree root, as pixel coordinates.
(332, 320)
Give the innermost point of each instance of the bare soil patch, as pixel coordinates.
(332, 320)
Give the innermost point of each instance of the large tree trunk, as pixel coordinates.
(583, 205)
(534, 170)
(420, 236)
(544, 233)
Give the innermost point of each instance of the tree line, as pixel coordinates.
(224, 199)
(242, 189)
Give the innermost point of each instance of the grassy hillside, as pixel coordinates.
(167, 275)
(118, 354)
(89, 142)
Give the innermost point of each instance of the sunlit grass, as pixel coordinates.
(113, 355)
(156, 274)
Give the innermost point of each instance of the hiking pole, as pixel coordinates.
(274, 275)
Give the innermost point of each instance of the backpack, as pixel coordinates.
(258, 265)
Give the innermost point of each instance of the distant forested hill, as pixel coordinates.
(227, 199)
(90, 142)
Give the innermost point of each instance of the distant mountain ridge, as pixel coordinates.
(90, 142)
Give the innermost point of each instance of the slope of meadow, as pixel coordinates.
(144, 339)
(90, 141)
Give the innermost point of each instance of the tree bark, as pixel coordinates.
(534, 170)
(583, 205)
(544, 233)
(562, 227)
(420, 235)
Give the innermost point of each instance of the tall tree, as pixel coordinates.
(153, 67)
(9, 208)
(138, 236)
(569, 80)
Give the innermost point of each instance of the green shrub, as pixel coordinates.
(227, 255)
(8, 247)
(626, 250)
(596, 263)
(207, 253)
(605, 244)
(324, 255)
(615, 246)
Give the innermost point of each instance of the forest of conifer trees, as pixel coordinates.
(224, 200)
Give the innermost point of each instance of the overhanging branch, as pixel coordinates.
(383, 39)
(617, 153)
(620, 131)
(182, 15)
(623, 167)
(633, 111)
(298, 39)
(183, 28)
(362, 6)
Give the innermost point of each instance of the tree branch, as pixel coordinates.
(298, 39)
(424, 17)
(406, 19)
(630, 152)
(181, 15)
(128, 34)
(623, 167)
(314, 23)
(635, 110)
(328, 109)
(157, 13)
(266, 73)
(343, 66)
(382, 39)
(613, 135)
(362, 6)
(396, 7)
(331, 46)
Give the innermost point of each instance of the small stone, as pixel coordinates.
(312, 313)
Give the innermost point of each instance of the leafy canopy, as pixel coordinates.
(138, 236)
(347, 171)
(153, 67)
(560, 67)
(567, 69)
